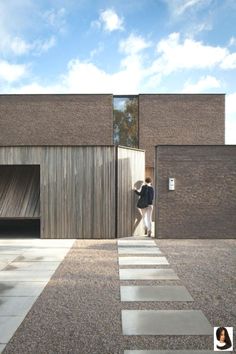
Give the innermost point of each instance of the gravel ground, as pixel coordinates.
(79, 311)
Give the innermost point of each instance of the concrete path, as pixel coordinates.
(87, 308)
(26, 266)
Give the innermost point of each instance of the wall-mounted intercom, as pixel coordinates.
(171, 184)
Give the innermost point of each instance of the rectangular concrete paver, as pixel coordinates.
(139, 250)
(143, 261)
(2, 346)
(155, 293)
(16, 306)
(32, 266)
(165, 322)
(147, 274)
(136, 243)
(8, 326)
(169, 351)
(10, 288)
(40, 275)
(7, 258)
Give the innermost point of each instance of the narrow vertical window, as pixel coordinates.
(125, 124)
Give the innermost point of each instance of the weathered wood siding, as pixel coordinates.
(130, 172)
(19, 191)
(77, 188)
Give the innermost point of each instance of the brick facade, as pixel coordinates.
(203, 204)
(56, 120)
(191, 119)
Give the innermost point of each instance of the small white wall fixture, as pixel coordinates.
(171, 184)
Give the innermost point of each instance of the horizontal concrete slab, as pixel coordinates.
(40, 275)
(136, 243)
(147, 274)
(8, 326)
(3, 265)
(165, 322)
(169, 351)
(16, 306)
(32, 266)
(155, 293)
(2, 346)
(37, 257)
(34, 242)
(7, 258)
(139, 250)
(143, 260)
(10, 288)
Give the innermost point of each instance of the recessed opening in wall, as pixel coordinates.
(20, 200)
(22, 227)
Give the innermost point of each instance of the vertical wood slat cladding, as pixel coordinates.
(130, 169)
(77, 188)
(19, 191)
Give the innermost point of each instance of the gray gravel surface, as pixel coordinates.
(79, 311)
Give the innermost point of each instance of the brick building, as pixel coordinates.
(136, 122)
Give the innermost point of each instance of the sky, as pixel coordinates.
(120, 47)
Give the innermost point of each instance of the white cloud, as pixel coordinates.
(232, 41)
(13, 45)
(41, 46)
(18, 46)
(175, 54)
(97, 50)
(86, 77)
(230, 122)
(229, 62)
(231, 103)
(179, 7)
(133, 44)
(56, 18)
(11, 72)
(204, 84)
(110, 20)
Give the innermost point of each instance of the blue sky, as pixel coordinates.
(120, 47)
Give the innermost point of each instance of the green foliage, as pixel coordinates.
(126, 122)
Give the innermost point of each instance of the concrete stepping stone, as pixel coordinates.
(147, 274)
(169, 351)
(10, 288)
(155, 293)
(137, 243)
(165, 322)
(16, 306)
(139, 250)
(143, 261)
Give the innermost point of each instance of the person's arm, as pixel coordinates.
(139, 193)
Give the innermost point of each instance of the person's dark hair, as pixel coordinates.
(218, 333)
(148, 180)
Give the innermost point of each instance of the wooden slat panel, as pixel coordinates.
(77, 189)
(131, 169)
(19, 191)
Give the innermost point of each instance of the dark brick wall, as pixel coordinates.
(56, 120)
(193, 119)
(203, 204)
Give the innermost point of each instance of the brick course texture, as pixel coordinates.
(203, 204)
(56, 119)
(178, 119)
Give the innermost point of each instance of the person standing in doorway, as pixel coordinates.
(145, 205)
